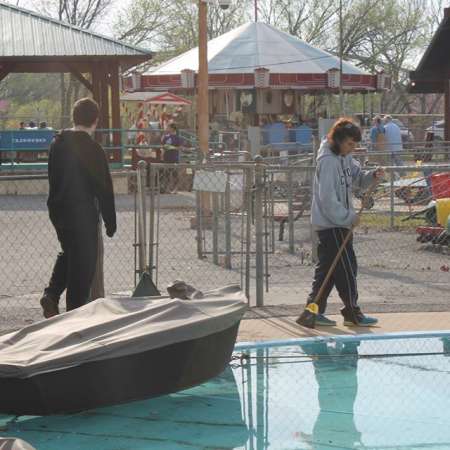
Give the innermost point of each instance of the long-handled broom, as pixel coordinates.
(308, 317)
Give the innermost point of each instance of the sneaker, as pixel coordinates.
(324, 321)
(49, 306)
(363, 321)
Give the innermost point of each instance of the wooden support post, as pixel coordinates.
(4, 74)
(96, 94)
(80, 77)
(115, 111)
(104, 89)
(5, 70)
(95, 85)
(447, 110)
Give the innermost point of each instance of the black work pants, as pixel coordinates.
(74, 268)
(344, 274)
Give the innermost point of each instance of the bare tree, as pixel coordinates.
(310, 20)
(378, 35)
(171, 26)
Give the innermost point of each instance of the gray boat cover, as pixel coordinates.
(14, 444)
(113, 327)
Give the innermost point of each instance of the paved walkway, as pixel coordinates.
(263, 325)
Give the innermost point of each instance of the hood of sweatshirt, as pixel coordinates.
(336, 176)
(76, 138)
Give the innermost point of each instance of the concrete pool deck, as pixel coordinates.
(260, 324)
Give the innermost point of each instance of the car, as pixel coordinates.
(437, 129)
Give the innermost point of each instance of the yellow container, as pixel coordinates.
(442, 210)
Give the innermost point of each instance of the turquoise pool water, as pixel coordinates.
(342, 393)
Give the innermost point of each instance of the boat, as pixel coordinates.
(14, 444)
(117, 350)
(208, 416)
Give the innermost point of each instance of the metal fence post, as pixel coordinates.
(290, 212)
(151, 231)
(249, 178)
(392, 222)
(314, 241)
(227, 224)
(198, 223)
(259, 234)
(142, 165)
(215, 227)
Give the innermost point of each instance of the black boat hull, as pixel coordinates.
(119, 380)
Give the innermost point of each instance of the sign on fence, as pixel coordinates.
(26, 139)
(216, 181)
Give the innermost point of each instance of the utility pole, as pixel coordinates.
(341, 50)
(256, 10)
(202, 106)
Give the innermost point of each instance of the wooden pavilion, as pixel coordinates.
(32, 43)
(432, 74)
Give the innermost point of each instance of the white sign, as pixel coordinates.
(216, 181)
(210, 181)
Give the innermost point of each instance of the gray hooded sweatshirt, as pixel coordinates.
(335, 178)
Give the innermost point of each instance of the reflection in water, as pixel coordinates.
(333, 366)
(348, 394)
(335, 422)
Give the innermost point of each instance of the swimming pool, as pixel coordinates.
(371, 392)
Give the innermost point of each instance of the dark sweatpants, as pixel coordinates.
(344, 275)
(74, 268)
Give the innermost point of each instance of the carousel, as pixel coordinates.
(257, 72)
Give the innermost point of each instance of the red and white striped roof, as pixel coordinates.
(234, 56)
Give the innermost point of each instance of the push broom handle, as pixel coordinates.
(344, 243)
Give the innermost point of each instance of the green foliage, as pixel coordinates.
(29, 87)
(37, 110)
(32, 97)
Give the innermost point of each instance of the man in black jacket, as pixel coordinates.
(80, 190)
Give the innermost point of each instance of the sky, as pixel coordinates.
(103, 27)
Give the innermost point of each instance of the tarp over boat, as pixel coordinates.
(115, 327)
(14, 444)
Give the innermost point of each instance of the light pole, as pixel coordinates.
(202, 87)
(341, 77)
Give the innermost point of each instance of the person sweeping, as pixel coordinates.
(333, 218)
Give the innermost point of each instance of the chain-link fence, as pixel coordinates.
(401, 245)
(345, 393)
(250, 223)
(29, 245)
(245, 223)
(199, 223)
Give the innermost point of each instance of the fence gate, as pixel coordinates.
(199, 225)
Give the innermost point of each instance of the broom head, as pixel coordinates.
(308, 317)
